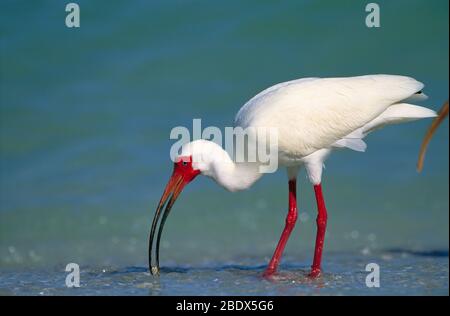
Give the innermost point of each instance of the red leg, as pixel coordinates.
(321, 227)
(290, 223)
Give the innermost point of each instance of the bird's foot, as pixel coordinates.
(315, 273)
(269, 272)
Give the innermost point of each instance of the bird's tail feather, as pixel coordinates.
(398, 113)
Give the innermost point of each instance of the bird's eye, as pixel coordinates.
(184, 163)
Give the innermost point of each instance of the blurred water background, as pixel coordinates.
(85, 117)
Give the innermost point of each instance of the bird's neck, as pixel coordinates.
(233, 176)
(236, 176)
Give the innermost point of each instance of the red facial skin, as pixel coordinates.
(183, 167)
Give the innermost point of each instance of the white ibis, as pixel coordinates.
(313, 116)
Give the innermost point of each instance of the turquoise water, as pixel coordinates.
(85, 117)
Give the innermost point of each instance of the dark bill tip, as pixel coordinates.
(172, 190)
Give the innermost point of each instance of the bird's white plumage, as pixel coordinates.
(313, 116)
(313, 113)
(398, 113)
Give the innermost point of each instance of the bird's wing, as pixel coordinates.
(244, 115)
(395, 114)
(353, 141)
(313, 113)
(398, 113)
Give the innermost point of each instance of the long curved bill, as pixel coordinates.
(171, 193)
(434, 125)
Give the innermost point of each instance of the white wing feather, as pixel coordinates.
(313, 113)
(352, 141)
(398, 113)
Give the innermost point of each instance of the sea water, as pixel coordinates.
(85, 118)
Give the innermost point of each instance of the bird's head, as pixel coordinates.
(195, 158)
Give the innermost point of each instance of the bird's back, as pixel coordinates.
(313, 113)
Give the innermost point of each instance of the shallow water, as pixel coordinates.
(401, 273)
(85, 117)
